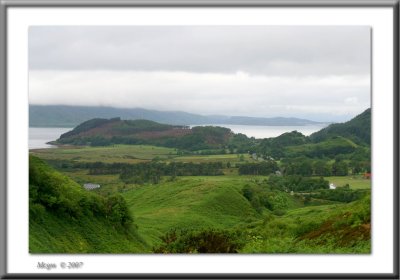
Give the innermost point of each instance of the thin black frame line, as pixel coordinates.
(195, 3)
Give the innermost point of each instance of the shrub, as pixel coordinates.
(199, 241)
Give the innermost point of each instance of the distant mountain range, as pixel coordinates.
(71, 116)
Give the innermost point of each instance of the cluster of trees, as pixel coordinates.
(51, 191)
(153, 171)
(341, 194)
(262, 168)
(99, 132)
(240, 143)
(261, 198)
(297, 183)
(213, 136)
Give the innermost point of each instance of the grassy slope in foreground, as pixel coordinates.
(217, 202)
(65, 218)
(325, 229)
(190, 203)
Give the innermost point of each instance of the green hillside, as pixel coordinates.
(65, 218)
(357, 129)
(325, 229)
(190, 203)
(327, 148)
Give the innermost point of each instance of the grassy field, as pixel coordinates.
(131, 154)
(109, 154)
(232, 158)
(198, 202)
(355, 182)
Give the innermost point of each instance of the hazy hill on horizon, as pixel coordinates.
(71, 116)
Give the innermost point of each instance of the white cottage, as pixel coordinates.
(90, 186)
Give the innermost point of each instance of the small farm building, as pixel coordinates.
(90, 186)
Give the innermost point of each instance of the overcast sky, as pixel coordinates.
(319, 73)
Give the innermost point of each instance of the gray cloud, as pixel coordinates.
(321, 73)
(254, 49)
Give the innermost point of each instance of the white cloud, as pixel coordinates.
(351, 100)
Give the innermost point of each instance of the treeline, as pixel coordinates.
(308, 167)
(262, 168)
(151, 172)
(305, 167)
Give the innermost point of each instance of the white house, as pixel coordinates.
(90, 186)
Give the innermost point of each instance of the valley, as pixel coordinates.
(173, 189)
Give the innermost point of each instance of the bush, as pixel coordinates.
(200, 241)
(279, 212)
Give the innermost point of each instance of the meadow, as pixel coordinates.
(286, 223)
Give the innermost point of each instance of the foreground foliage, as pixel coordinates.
(63, 217)
(200, 241)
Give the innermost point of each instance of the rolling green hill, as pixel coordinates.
(190, 203)
(65, 218)
(357, 129)
(327, 148)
